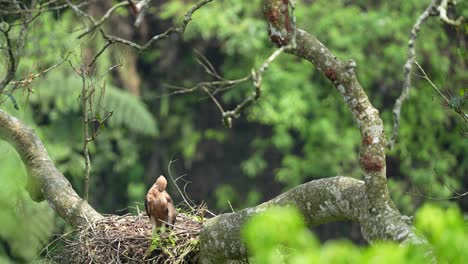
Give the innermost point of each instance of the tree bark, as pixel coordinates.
(45, 182)
(331, 199)
(320, 201)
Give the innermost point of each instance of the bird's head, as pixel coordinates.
(161, 182)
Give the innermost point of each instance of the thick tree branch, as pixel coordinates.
(372, 152)
(320, 201)
(333, 199)
(45, 181)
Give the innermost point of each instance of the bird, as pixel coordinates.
(159, 205)
(139, 10)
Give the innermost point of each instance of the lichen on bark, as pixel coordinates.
(331, 199)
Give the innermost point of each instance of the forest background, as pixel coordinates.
(296, 132)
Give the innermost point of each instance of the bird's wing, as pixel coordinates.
(172, 213)
(146, 206)
(168, 197)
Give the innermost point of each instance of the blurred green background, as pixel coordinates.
(298, 131)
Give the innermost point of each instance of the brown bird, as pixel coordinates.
(159, 205)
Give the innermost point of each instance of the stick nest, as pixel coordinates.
(129, 239)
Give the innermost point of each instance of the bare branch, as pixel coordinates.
(442, 8)
(108, 43)
(172, 30)
(80, 12)
(458, 196)
(432, 8)
(256, 77)
(407, 71)
(103, 19)
(12, 60)
(14, 53)
(29, 79)
(43, 7)
(206, 64)
(85, 96)
(458, 109)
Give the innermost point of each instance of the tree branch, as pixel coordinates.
(45, 181)
(434, 7)
(15, 55)
(342, 75)
(179, 29)
(332, 199)
(320, 201)
(407, 71)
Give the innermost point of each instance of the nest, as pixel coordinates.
(129, 239)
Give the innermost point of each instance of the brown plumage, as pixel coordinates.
(133, 7)
(159, 205)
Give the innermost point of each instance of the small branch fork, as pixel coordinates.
(221, 84)
(435, 8)
(178, 29)
(11, 8)
(211, 88)
(457, 109)
(90, 118)
(14, 56)
(455, 195)
(256, 77)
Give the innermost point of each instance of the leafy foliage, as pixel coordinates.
(306, 123)
(26, 225)
(292, 242)
(298, 131)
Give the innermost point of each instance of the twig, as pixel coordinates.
(411, 56)
(103, 19)
(214, 100)
(442, 8)
(31, 77)
(434, 6)
(424, 76)
(44, 7)
(84, 100)
(256, 77)
(177, 186)
(458, 110)
(14, 56)
(108, 43)
(80, 12)
(230, 206)
(172, 30)
(206, 64)
(437, 198)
